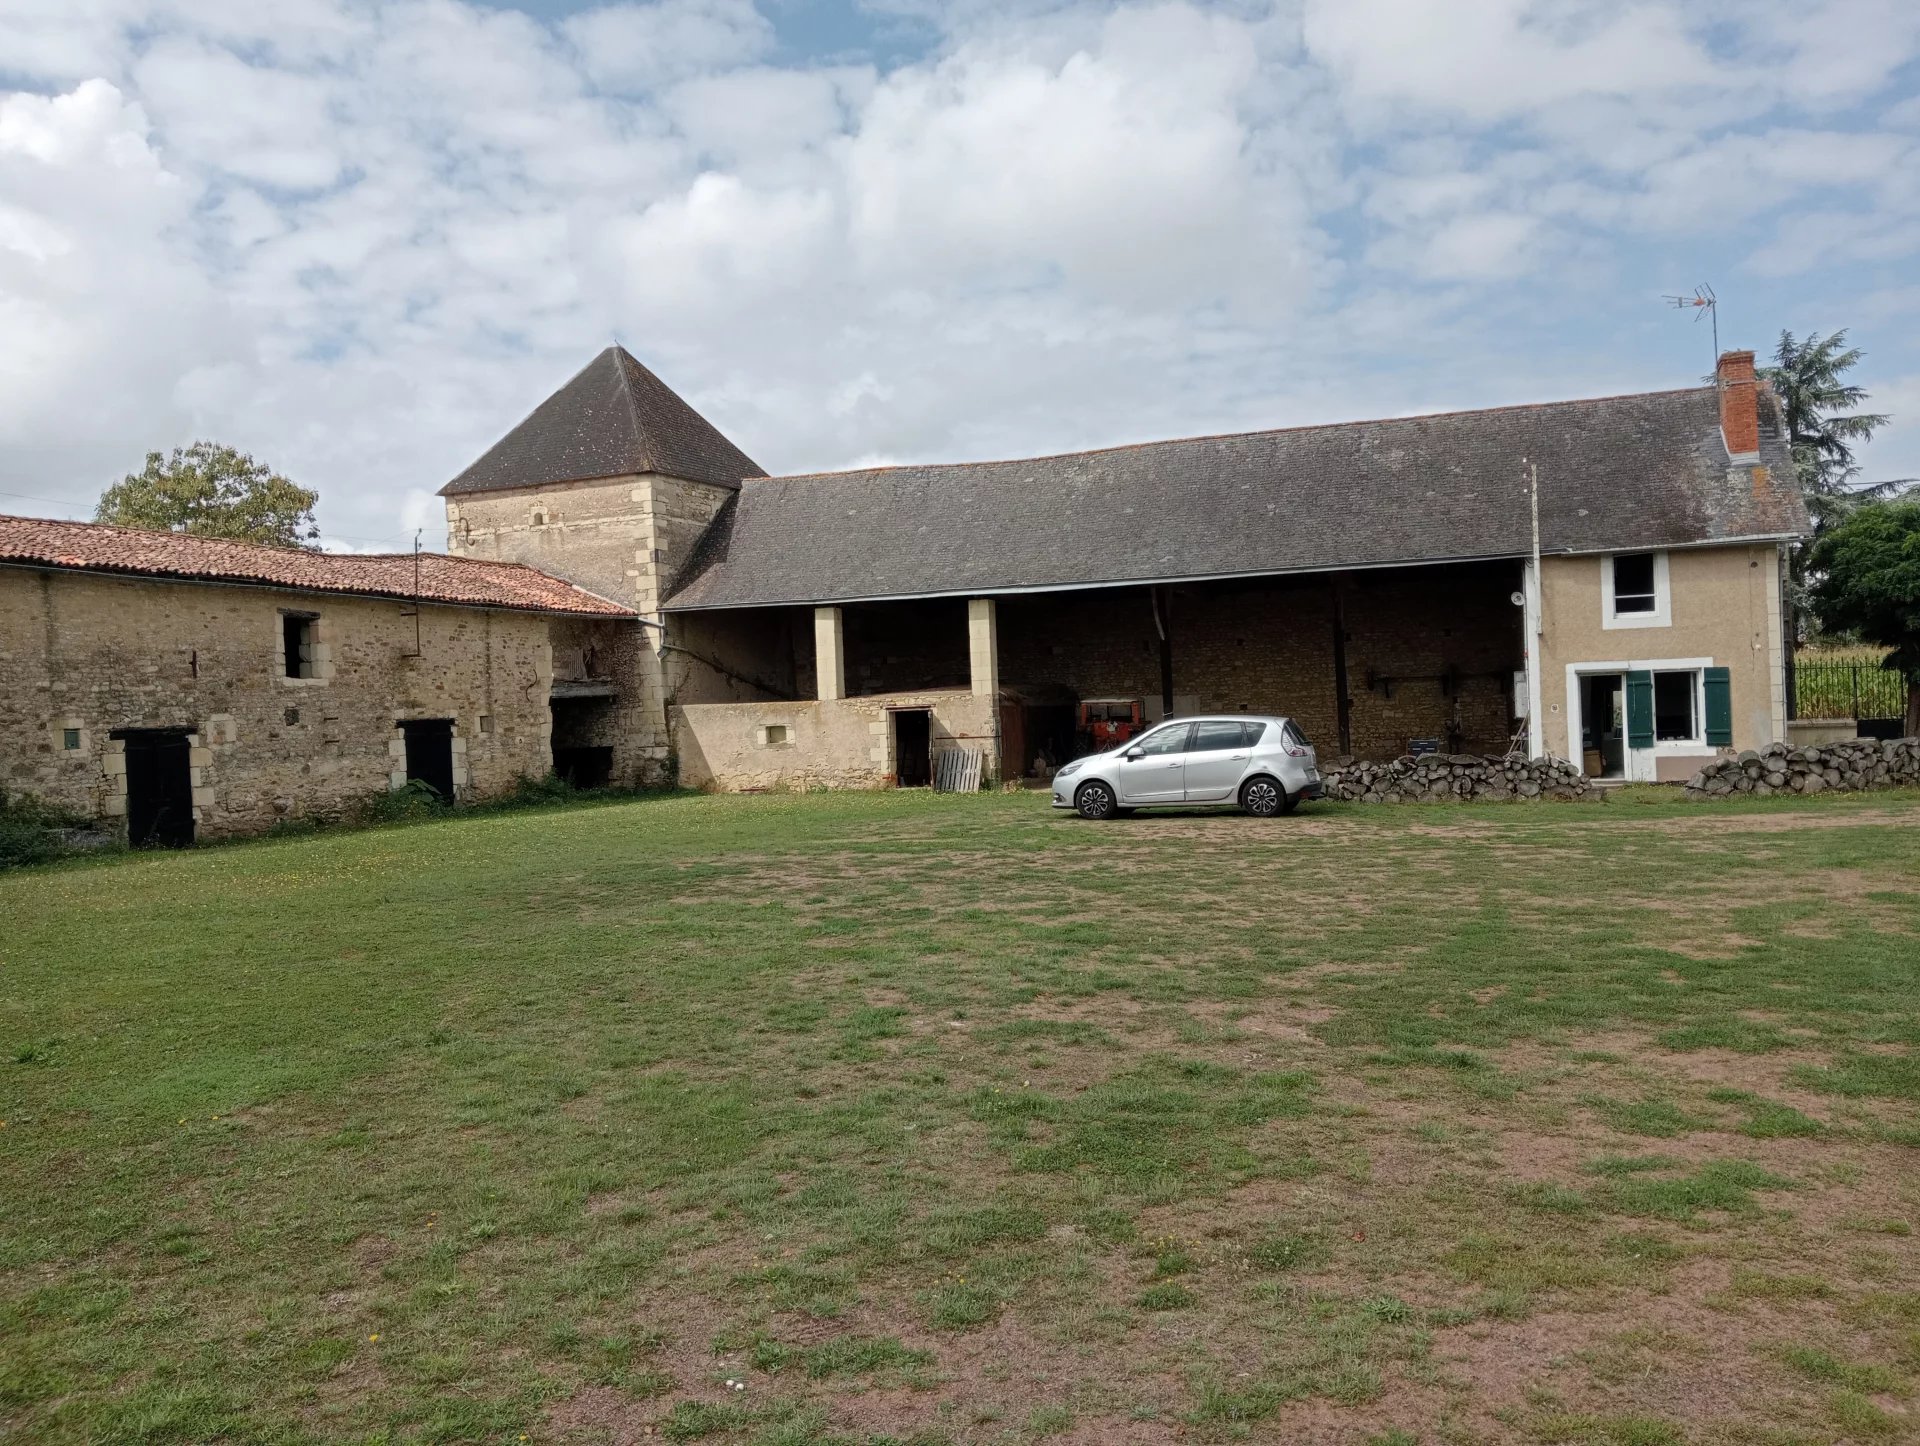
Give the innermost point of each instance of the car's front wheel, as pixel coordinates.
(1095, 800)
(1264, 798)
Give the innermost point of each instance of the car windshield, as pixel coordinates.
(1163, 740)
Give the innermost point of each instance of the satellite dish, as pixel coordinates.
(1518, 599)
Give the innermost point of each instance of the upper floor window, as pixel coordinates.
(1633, 583)
(1634, 591)
(299, 635)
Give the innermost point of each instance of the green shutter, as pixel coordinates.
(1719, 707)
(1640, 710)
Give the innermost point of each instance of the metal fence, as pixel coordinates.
(1847, 689)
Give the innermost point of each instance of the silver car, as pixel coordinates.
(1263, 764)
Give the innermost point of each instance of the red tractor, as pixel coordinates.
(1108, 722)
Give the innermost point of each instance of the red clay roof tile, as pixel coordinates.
(462, 581)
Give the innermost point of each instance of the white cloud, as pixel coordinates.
(360, 240)
(1494, 60)
(270, 126)
(634, 48)
(103, 305)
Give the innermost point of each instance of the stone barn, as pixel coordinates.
(1381, 582)
(188, 687)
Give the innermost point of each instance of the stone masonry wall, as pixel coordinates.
(625, 538)
(92, 654)
(891, 647)
(1457, 778)
(1439, 643)
(807, 744)
(1849, 767)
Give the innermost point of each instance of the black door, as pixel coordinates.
(913, 748)
(430, 753)
(159, 788)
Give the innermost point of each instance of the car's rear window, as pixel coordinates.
(1294, 736)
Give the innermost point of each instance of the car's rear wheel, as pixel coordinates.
(1264, 798)
(1093, 799)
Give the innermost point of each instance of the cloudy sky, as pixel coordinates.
(361, 240)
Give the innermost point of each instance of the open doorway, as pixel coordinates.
(159, 787)
(1603, 725)
(430, 753)
(912, 748)
(582, 754)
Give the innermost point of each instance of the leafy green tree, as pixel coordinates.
(210, 490)
(1867, 583)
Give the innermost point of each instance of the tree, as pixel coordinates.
(1867, 582)
(1809, 377)
(210, 490)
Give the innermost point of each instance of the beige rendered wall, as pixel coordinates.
(624, 538)
(95, 654)
(1725, 606)
(838, 743)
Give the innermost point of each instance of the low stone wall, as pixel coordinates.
(1456, 778)
(1848, 767)
(807, 744)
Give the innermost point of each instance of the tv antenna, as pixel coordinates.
(1704, 303)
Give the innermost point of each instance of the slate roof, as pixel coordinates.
(1642, 471)
(471, 582)
(613, 419)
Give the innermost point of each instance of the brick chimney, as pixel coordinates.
(1739, 407)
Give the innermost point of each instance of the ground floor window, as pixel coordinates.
(1675, 711)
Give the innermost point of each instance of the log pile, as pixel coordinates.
(1858, 763)
(1456, 778)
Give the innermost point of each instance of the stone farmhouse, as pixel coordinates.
(627, 597)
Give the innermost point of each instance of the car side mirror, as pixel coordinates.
(1134, 754)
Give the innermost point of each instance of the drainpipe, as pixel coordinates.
(1534, 624)
(1161, 619)
(1342, 685)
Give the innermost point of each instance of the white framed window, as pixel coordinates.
(1662, 707)
(1634, 590)
(1677, 707)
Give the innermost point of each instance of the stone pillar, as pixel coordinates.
(983, 647)
(829, 655)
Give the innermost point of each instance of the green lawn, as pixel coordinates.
(896, 1117)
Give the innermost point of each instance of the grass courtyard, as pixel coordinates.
(929, 1119)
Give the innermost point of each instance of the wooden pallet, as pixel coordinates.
(957, 770)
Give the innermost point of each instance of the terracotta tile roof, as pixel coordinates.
(1616, 474)
(614, 418)
(464, 581)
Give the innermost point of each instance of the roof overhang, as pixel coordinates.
(28, 564)
(1186, 578)
(1022, 589)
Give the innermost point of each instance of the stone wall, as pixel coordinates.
(906, 646)
(807, 743)
(81, 656)
(1457, 778)
(1430, 651)
(1847, 767)
(625, 538)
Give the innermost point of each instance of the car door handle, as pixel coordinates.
(1236, 758)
